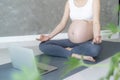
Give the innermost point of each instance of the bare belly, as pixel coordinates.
(80, 31)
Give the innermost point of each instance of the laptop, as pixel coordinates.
(24, 57)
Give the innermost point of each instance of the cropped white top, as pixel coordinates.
(81, 13)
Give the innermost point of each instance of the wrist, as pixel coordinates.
(97, 36)
(50, 36)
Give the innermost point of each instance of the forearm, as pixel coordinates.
(96, 18)
(57, 30)
(63, 22)
(96, 29)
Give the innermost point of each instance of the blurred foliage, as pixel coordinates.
(29, 74)
(26, 74)
(114, 70)
(113, 29)
(45, 59)
(72, 64)
(117, 9)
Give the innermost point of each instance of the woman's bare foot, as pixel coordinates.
(89, 58)
(68, 48)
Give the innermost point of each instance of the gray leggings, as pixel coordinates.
(57, 48)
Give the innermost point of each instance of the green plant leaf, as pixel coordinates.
(114, 64)
(117, 9)
(72, 64)
(26, 74)
(112, 27)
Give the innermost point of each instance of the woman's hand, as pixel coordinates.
(97, 39)
(43, 38)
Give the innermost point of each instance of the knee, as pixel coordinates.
(96, 50)
(42, 46)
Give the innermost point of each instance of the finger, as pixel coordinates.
(100, 41)
(97, 40)
(41, 38)
(37, 39)
(41, 35)
(93, 41)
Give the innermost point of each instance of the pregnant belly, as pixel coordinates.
(80, 31)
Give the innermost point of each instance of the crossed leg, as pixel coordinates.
(65, 48)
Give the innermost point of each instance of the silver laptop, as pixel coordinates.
(24, 57)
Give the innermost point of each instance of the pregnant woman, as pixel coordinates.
(83, 35)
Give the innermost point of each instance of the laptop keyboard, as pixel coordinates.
(45, 68)
(42, 71)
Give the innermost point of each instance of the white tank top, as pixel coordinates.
(81, 13)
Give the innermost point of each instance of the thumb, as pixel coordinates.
(41, 35)
(93, 41)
